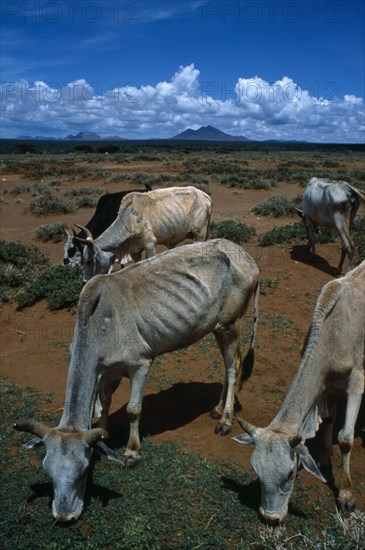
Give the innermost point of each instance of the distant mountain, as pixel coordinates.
(82, 136)
(208, 133)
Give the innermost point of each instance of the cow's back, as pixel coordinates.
(169, 213)
(175, 298)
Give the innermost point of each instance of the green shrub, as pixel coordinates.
(228, 229)
(245, 179)
(293, 232)
(60, 285)
(277, 206)
(284, 234)
(54, 232)
(85, 202)
(47, 203)
(82, 191)
(21, 255)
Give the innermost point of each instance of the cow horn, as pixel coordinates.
(69, 231)
(299, 212)
(93, 436)
(32, 426)
(249, 428)
(86, 230)
(294, 440)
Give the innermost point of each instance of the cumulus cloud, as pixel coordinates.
(255, 108)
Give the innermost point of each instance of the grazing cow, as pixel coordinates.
(164, 216)
(105, 213)
(125, 320)
(332, 365)
(331, 204)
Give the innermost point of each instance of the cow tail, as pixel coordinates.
(248, 362)
(358, 193)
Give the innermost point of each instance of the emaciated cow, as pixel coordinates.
(163, 216)
(332, 365)
(331, 204)
(105, 213)
(122, 325)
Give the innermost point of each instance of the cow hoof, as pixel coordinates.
(223, 429)
(215, 415)
(130, 461)
(348, 506)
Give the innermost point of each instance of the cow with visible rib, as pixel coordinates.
(332, 366)
(122, 326)
(163, 216)
(105, 213)
(331, 204)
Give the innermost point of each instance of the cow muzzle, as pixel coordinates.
(272, 518)
(63, 518)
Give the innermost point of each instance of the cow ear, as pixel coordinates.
(244, 439)
(308, 463)
(35, 442)
(108, 452)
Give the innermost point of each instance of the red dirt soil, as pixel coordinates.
(35, 341)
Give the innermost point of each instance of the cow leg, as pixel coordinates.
(150, 245)
(309, 227)
(106, 388)
(138, 378)
(346, 438)
(228, 342)
(343, 227)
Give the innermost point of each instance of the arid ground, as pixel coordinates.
(183, 386)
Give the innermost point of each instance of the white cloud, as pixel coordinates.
(256, 109)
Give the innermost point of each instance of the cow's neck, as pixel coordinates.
(114, 236)
(304, 393)
(81, 382)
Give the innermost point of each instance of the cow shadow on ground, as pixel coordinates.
(166, 410)
(300, 253)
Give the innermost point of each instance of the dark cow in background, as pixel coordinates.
(105, 213)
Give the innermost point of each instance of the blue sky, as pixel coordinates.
(265, 69)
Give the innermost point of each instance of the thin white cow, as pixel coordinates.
(163, 216)
(331, 204)
(332, 365)
(124, 321)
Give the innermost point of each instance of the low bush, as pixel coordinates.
(54, 232)
(85, 202)
(82, 191)
(245, 179)
(60, 285)
(283, 234)
(46, 203)
(228, 229)
(21, 255)
(277, 206)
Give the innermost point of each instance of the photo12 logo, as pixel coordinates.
(69, 11)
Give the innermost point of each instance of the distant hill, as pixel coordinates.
(82, 136)
(207, 133)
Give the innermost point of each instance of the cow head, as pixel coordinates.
(276, 459)
(72, 249)
(66, 462)
(94, 260)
